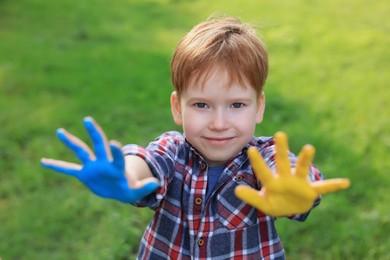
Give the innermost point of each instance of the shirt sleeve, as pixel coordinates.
(160, 157)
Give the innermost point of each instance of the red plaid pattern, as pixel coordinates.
(186, 225)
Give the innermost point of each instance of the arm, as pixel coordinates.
(289, 191)
(103, 171)
(137, 171)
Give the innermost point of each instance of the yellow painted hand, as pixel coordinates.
(289, 191)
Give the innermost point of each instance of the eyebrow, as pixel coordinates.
(229, 100)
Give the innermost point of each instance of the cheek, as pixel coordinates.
(192, 123)
(246, 125)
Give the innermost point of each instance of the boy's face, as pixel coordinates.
(218, 120)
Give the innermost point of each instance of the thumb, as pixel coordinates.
(144, 190)
(331, 185)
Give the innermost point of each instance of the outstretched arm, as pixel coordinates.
(289, 191)
(103, 171)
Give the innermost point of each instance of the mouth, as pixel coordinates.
(218, 141)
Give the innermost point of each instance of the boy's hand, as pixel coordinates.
(103, 172)
(289, 191)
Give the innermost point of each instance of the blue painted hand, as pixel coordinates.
(103, 172)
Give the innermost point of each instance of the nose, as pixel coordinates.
(219, 120)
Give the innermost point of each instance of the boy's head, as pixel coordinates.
(222, 42)
(219, 70)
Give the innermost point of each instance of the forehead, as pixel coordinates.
(217, 76)
(218, 85)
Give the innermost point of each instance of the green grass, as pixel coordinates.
(62, 60)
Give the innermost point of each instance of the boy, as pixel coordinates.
(208, 202)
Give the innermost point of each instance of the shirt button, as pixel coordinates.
(239, 178)
(203, 166)
(200, 242)
(198, 201)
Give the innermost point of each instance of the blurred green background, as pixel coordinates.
(62, 60)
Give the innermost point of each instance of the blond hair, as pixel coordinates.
(224, 42)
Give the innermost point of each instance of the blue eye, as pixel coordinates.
(237, 105)
(200, 105)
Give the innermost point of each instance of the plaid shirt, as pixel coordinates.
(186, 225)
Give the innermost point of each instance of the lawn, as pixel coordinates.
(62, 60)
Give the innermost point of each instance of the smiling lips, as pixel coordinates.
(218, 141)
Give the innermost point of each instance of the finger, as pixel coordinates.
(282, 159)
(99, 139)
(332, 185)
(260, 168)
(61, 166)
(117, 155)
(82, 151)
(252, 197)
(116, 143)
(304, 160)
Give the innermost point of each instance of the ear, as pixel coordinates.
(176, 108)
(260, 108)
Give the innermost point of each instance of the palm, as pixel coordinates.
(288, 191)
(102, 171)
